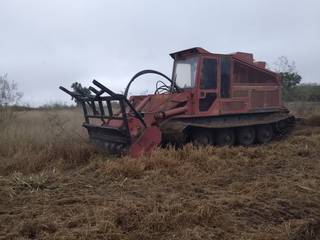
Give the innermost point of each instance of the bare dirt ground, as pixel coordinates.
(53, 185)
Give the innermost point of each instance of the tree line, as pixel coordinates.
(293, 89)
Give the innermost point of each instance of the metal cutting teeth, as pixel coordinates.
(114, 148)
(119, 147)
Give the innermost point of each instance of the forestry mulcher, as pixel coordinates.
(221, 99)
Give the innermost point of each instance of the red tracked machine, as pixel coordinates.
(221, 99)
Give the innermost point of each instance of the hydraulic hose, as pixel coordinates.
(148, 71)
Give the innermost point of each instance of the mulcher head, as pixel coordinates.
(114, 124)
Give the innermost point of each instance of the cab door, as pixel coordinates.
(207, 85)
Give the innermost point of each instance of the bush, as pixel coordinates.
(304, 92)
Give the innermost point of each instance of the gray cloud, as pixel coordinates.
(45, 44)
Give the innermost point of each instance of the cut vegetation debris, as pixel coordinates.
(53, 185)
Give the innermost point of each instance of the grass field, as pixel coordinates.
(54, 185)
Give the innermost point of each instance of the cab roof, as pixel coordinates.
(195, 50)
(240, 56)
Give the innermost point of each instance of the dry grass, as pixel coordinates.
(304, 109)
(55, 186)
(31, 141)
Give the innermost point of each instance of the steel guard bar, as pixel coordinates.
(93, 106)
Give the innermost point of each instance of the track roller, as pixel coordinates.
(201, 137)
(225, 137)
(264, 133)
(246, 136)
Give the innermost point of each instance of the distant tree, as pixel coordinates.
(78, 88)
(9, 94)
(290, 76)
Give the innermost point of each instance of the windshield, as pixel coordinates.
(185, 72)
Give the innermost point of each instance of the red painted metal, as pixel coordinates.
(171, 112)
(148, 140)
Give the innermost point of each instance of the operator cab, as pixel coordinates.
(226, 83)
(196, 70)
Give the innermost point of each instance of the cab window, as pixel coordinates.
(209, 74)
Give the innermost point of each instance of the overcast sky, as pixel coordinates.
(44, 44)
